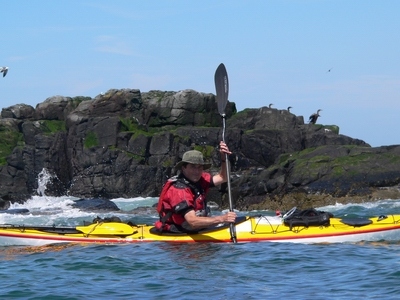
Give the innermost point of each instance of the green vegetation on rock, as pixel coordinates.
(77, 100)
(91, 140)
(242, 113)
(9, 139)
(333, 128)
(206, 150)
(52, 126)
(308, 163)
(131, 125)
(167, 163)
(128, 124)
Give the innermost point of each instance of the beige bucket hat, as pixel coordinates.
(192, 157)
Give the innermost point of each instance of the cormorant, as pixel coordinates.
(4, 70)
(288, 109)
(314, 117)
(270, 105)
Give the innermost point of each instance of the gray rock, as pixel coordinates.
(18, 111)
(95, 205)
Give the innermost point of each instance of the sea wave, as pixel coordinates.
(58, 211)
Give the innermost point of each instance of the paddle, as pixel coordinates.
(222, 88)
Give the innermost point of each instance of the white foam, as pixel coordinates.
(132, 203)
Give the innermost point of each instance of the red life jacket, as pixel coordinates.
(185, 195)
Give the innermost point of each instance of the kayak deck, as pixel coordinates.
(248, 229)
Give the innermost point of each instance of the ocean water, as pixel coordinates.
(195, 271)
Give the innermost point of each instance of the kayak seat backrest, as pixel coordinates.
(154, 230)
(356, 222)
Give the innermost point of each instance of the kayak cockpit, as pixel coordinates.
(156, 231)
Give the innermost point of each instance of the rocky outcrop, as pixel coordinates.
(124, 143)
(324, 175)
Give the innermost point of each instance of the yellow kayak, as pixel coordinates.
(247, 229)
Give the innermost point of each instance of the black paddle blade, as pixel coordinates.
(222, 88)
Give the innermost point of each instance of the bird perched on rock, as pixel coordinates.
(288, 109)
(270, 105)
(314, 117)
(4, 70)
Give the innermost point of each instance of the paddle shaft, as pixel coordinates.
(228, 182)
(222, 88)
(228, 175)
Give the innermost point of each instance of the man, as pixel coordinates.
(182, 204)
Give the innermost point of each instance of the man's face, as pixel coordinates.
(192, 172)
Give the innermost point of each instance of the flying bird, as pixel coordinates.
(314, 117)
(4, 70)
(329, 70)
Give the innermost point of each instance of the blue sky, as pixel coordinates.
(275, 51)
